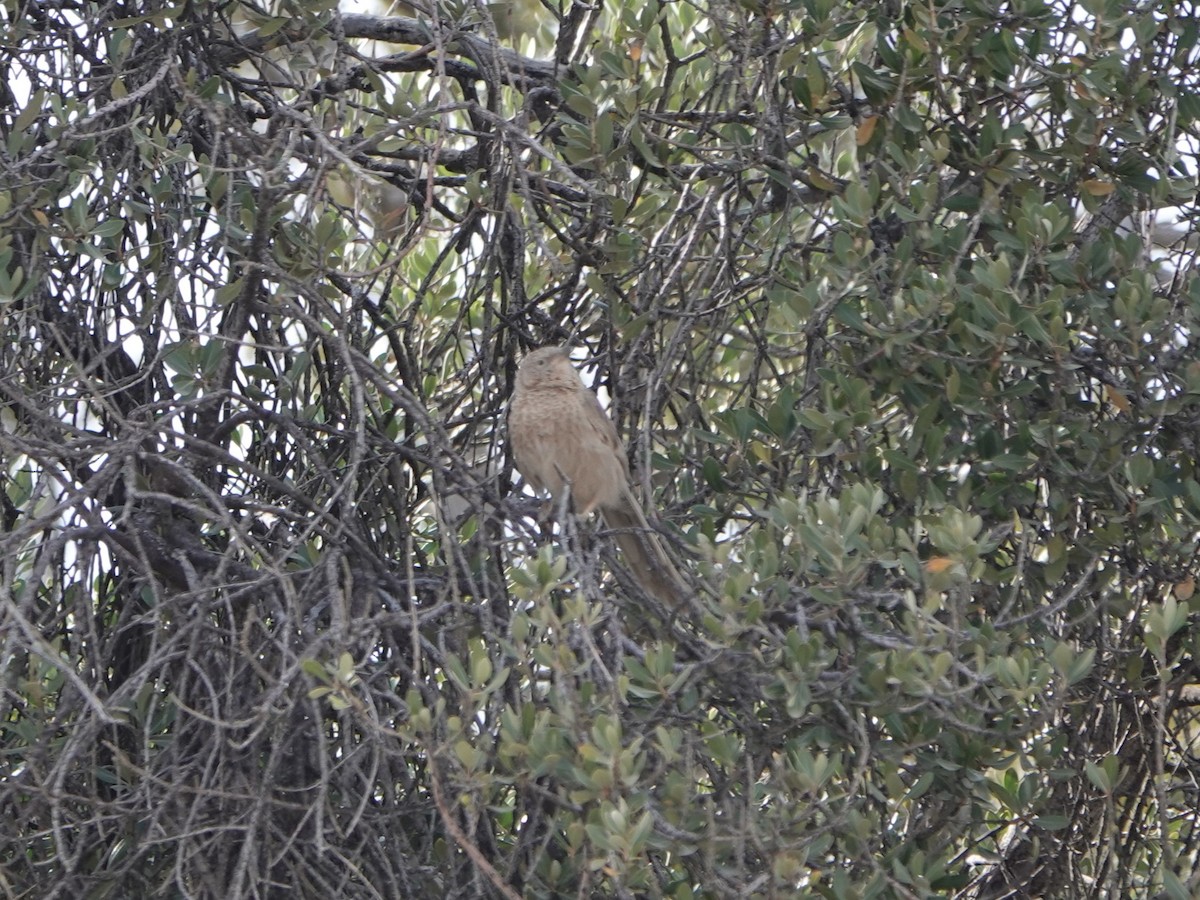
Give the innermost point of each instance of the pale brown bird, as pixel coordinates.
(562, 439)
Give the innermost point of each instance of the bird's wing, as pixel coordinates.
(601, 423)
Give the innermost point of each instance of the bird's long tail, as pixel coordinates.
(644, 552)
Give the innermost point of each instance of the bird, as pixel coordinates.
(563, 441)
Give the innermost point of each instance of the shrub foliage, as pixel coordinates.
(893, 302)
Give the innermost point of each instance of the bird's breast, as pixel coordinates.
(555, 441)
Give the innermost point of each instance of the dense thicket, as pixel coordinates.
(894, 303)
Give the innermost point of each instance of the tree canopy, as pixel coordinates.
(894, 304)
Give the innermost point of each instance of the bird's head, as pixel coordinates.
(548, 369)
